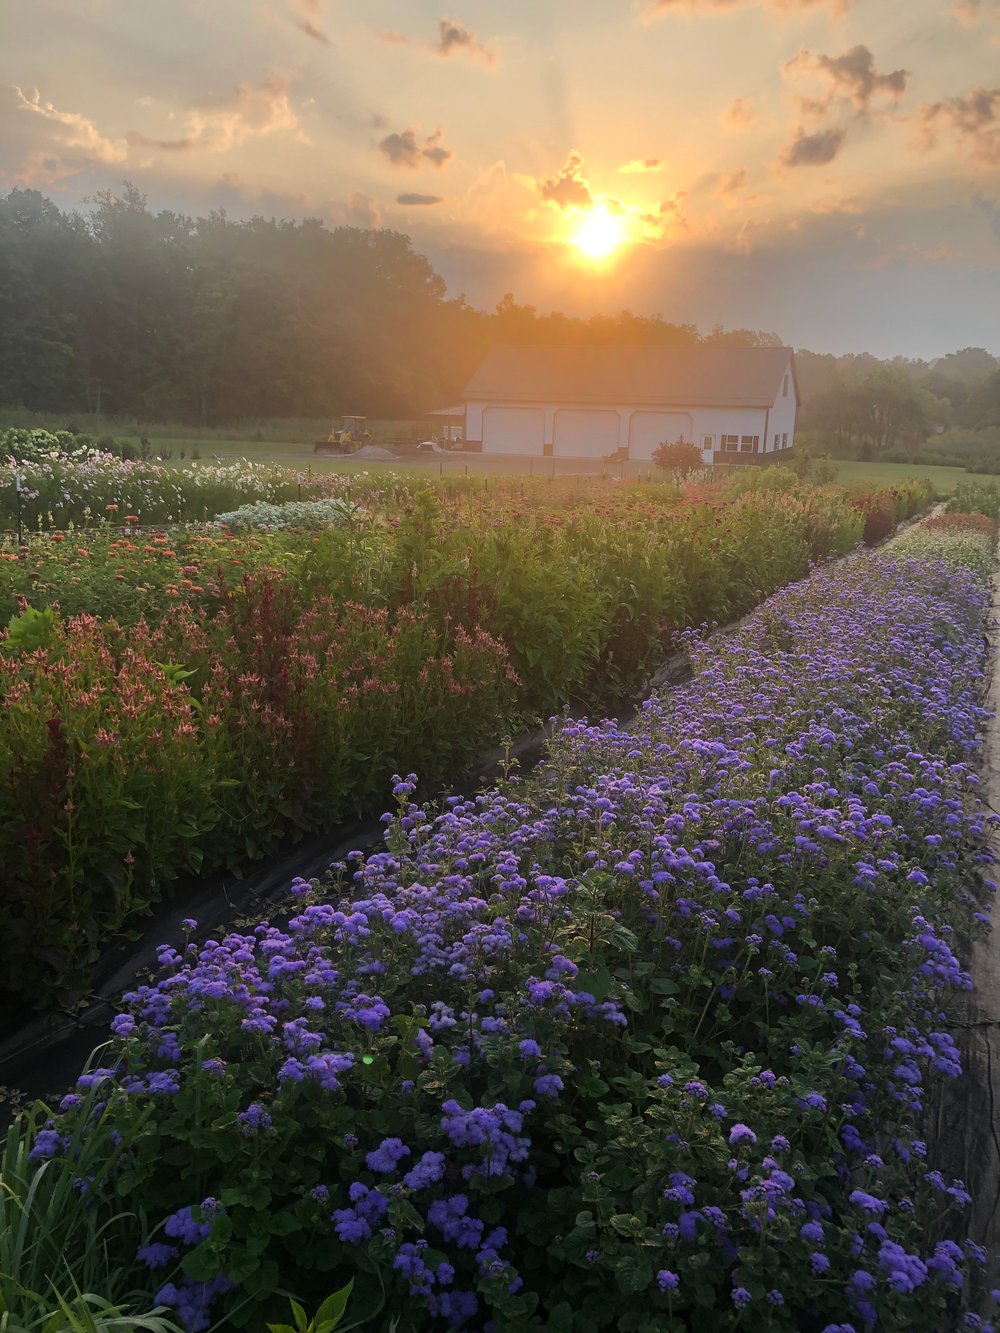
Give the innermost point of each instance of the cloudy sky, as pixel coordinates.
(827, 169)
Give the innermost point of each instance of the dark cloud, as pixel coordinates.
(852, 75)
(412, 200)
(308, 19)
(734, 182)
(813, 150)
(138, 140)
(453, 39)
(974, 120)
(403, 150)
(569, 186)
(434, 150)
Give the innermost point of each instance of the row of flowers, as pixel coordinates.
(89, 488)
(199, 696)
(641, 1043)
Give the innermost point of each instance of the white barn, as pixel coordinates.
(592, 402)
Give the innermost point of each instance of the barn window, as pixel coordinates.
(784, 440)
(784, 388)
(749, 444)
(776, 440)
(730, 443)
(708, 441)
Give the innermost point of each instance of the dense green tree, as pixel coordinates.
(210, 320)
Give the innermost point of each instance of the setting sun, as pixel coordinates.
(599, 234)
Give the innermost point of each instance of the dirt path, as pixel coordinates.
(966, 1120)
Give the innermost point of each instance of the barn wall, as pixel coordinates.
(714, 421)
(782, 420)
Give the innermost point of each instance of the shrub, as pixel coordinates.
(679, 457)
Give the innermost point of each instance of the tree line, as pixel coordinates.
(159, 316)
(857, 403)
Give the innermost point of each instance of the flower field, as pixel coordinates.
(58, 486)
(183, 699)
(640, 1043)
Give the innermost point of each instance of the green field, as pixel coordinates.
(876, 474)
(455, 463)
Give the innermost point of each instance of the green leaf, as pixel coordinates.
(332, 1310)
(664, 986)
(634, 1272)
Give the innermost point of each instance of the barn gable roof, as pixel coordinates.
(691, 376)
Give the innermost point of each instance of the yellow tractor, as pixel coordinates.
(349, 436)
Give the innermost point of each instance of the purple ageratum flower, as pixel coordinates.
(353, 1225)
(548, 1085)
(814, 1101)
(48, 1143)
(183, 1226)
(451, 1217)
(428, 1170)
(741, 1298)
(530, 1049)
(866, 1201)
(666, 1280)
(254, 1120)
(156, 1255)
(386, 1157)
(164, 1083)
(742, 1134)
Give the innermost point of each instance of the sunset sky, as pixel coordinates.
(827, 169)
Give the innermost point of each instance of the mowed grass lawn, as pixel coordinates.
(454, 463)
(884, 474)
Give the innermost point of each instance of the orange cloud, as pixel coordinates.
(75, 131)
(641, 166)
(222, 121)
(740, 113)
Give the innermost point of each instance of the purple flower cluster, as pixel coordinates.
(666, 1012)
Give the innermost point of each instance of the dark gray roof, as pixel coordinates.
(695, 376)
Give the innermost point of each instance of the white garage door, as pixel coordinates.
(513, 430)
(647, 430)
(584, 434)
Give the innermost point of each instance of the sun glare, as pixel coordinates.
(599, 234)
